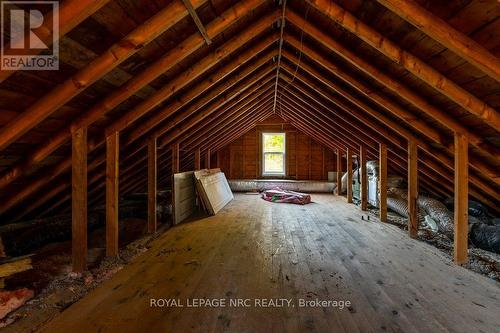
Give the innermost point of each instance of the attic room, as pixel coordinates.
(250, 166)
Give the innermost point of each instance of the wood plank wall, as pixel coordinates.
(306, 159)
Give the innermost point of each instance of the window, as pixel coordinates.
(273, 154)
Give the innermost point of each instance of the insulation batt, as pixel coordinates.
(483, 233)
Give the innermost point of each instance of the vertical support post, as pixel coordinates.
(152, 181)
(218, 158)
(197, 159)
(79, 199)
(364, 178)
(207, 159)
(412, 189)
(349, 175)
(112, 172)
(461, 199)
(339, 172)
(383, 182)
(175, 158)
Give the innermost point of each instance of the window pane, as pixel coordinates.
(274, 142)
(273, 163)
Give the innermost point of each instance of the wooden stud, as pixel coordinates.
(364, 178)
(152, 183)
(383, 182)
(112, 182)
(339, 172)
(349, 175)
(176, 158)
(207, 159)
(197, 159)
(412, 189)
(79, 199)
(461, 199)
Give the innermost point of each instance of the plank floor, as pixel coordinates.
(255, 249)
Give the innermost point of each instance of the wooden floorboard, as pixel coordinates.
(257, 249)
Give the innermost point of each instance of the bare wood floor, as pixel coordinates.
(256, 249)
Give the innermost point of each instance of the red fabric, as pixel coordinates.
(279, 195)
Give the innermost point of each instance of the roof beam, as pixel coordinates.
(441, 31)
(92, 72)
(380, 100)
(410, 62)
(31, 188)
(197, 21)
(437, 168)
(282, 28)
(165, 63)
(394, 85)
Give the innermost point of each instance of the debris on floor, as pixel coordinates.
(285, 196)
(52, 287)
(11, 300)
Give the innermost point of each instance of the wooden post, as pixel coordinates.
(197, 159)
(383, 182)
(412, 189)
(339, 172)
(218, 158)
(207, 159)
(112, 167)
(175, 158)
(461, 199)
(364, 178)
(349, 175)
(152, 175)
(79, 199)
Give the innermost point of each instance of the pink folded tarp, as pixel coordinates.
(279, 195)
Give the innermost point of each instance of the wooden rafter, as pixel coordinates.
(382, 101)
(387, 135)
(392, 84)
(282, 29)
(197, 21)
(165, 63)
(445, 34)
(100, 66)
(410, 62)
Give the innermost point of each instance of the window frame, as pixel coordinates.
(263, 155)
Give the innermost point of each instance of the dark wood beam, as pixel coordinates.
(197, 21)
(461, 201)
(363, 177)
(79, 199)
(339, 172)
(413, 64)
(112, 182)
(451, 38)
(412, 189)
(152, 185)
(349, 175)
(383, 182)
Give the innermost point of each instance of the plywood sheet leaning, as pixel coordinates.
(184, 196)
(213, 189)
